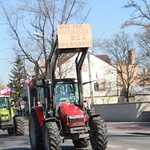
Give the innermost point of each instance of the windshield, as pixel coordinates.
(67, 93)
(3, 102)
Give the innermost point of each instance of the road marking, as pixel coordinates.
(131, 149)
(113, 146)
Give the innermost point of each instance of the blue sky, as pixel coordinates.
(106, 18)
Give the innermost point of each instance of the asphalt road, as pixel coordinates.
(117, 140)
(13, 142)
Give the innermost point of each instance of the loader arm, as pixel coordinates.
(55, 54)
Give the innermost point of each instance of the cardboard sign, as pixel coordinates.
(74, 35)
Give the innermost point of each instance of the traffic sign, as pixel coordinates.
(22, 102)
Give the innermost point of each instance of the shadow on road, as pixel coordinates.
(68, 148)
(72, 148)
(63, 148)
(23, 148)
(128, 135)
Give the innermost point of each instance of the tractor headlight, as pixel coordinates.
(4, 116)
(72, 119)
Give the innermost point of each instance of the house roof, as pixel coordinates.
(104, 58)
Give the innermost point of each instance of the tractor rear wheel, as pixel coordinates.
(35, 133)
(19, 125)
(81, 143)
(98, 134)
(52, 138)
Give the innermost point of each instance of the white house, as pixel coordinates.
(97, 71)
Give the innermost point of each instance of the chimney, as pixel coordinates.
(131, 57)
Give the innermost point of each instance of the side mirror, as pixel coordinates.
(96, 86)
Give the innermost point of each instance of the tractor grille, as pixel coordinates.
(72, 120)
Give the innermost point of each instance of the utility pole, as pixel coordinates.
(26, 86)
(90, 77)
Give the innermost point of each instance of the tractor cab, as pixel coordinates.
(4, 102)
(66, 91)
(5, 109)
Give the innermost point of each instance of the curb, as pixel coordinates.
(140, 128)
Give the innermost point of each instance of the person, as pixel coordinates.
(68, 91)
(59, 93)
(60, 97)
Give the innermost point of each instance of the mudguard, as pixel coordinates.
(93, 117)
(39, 113)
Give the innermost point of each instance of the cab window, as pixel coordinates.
(41, 97)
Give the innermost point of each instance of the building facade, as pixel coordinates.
(94, 70)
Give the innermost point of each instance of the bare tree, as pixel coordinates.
(41, 16)
(122, 57)
(65, 65)
(141, 17)
(141, 14)
(143, 40)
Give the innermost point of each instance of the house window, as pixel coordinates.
(102, 84)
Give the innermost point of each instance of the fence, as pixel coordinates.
(135, 111)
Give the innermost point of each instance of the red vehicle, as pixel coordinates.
(59, 112)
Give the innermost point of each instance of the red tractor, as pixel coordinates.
(59, 112)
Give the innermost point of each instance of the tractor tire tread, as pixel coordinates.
(39, 144)
(99, 127)
(19, 125)
(54, 135)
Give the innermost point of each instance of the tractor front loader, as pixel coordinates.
(59, 113)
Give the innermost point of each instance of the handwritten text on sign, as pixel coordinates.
(75, 35)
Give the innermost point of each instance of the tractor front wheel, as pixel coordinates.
(35, 133)
(98, 134)
(19, 125)
(81, 143)
(51, 135)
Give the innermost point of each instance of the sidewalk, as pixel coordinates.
(128, 127)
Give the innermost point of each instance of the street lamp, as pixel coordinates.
(38, 34)
(90, 77)
(41, 36)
